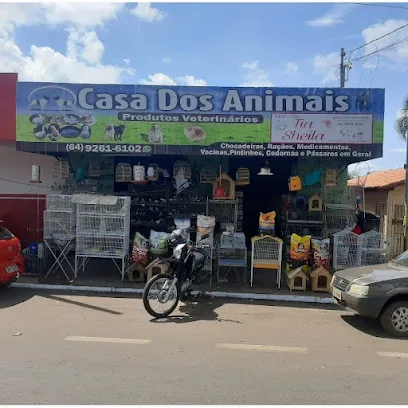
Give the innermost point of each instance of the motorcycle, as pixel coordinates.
(165, 290)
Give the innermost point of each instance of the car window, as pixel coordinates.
(5, 233)
(402, 259)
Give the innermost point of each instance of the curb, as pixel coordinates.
(230, 295)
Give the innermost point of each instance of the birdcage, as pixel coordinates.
(208, 175)
(61, 169)
(374, 248)
(267, 254)
(59, 202)
(123, 173)
(224, 211)
(103, 225)
(59, 223)
(344, 247)
(338, 217)
(94, 170)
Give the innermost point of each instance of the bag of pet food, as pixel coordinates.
(300, 247)
(140, 250)
(321, 253)
(183, 224)
(158, 242)
(267, 221)
(205, 225)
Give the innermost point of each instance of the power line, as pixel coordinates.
(400, 41)
(380, 38)
(382, 5)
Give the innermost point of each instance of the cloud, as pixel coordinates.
(291, 68)
(158, 79)
(166, 60)
(254, 76)
(85, 46)
(333, 17)
(163, 79)
(398, 53)
(82, 60)
(146, 12)
(398, 150)
(328, 66)
(80, 14)
(190, 80)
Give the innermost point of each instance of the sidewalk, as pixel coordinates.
(228, 290)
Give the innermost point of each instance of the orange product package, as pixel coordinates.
(300, 247)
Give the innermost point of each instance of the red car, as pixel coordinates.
(11, 258)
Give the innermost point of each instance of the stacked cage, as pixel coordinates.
(345, 247)
(103, 225)
(59, 231)
(374, 248)
(59, 218)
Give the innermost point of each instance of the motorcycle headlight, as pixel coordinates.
(177, 252)
(358, 290)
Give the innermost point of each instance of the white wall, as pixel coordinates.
(15, 171)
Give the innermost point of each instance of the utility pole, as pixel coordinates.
(342, 69)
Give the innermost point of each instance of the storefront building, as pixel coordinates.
(182, 153)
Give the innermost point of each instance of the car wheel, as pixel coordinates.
(394, 319)
(4, 285)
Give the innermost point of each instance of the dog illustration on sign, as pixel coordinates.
(195, 133)
(155, 135)
(109, 133)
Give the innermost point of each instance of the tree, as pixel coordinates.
(401, 124)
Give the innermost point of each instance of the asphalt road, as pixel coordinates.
(64, 349)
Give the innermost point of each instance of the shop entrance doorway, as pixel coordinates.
(264, 193)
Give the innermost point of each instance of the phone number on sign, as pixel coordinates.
(107, 148)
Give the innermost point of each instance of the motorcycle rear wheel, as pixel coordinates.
(146, 299)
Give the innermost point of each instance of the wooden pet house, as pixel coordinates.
(296, 280)
(315, 203)
(136, 273)
(321, 278)
(225, 182)
(155, 269)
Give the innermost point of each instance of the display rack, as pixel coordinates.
(59, 232)
(232, 257)
(103, 225)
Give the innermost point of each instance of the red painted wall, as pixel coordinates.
(23, 215)
(8, 85)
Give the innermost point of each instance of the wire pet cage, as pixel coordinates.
(267, 254)
(59, 231)
(103, 224)
(345, 247)
(374, 248)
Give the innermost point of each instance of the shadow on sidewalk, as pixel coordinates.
(80, 304)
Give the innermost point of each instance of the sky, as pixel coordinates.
(225, 44)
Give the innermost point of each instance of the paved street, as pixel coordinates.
(64, 349)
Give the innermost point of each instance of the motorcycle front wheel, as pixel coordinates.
(155, 293)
